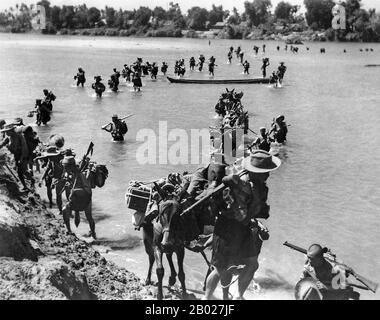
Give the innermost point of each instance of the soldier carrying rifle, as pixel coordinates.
(325, 278)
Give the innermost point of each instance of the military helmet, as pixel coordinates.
(315, 250)
(68, 161)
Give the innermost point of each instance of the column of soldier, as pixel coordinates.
(231, 198)
(56, 165)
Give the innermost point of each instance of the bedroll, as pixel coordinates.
(97, 175)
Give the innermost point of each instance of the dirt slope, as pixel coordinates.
(39, 260)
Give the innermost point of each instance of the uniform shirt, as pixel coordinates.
(55, 168)
(282, 70)
(115, 129)
(17, 145)
(81, 76)
(262, 143)
(237, 197)
(280, 131)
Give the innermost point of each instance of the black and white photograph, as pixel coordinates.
(200, 151)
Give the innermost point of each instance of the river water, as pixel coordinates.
(326, 190)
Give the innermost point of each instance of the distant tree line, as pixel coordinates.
(361, 24)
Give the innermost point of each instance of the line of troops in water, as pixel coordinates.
(231, 115)
(276, 76)
(293, 49)
(175, 212)
(134, 72)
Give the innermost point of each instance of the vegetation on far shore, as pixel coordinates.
(259, 21)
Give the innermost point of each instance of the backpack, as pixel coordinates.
(101, 175)
(96, 175)
(123, 129)
(31, 139)
(52, 96)
(91, 176)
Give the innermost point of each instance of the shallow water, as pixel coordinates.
(326, 191)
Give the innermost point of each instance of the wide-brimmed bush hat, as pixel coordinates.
(260, 161)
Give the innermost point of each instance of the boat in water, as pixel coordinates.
(221, 81)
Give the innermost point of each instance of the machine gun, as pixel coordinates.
(328, 255)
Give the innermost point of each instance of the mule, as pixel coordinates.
(168, 238)
(147, 231)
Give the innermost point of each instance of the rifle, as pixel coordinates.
(253, 131)
(84, 162)
(219, 188)
(126, 117)
(159, 190)
(370, 285)
(10, 171)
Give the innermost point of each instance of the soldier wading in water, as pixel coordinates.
(118, 128)
(80, 77)
(98, 86)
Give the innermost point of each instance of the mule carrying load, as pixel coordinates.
(143, 199)
(157, 207)
(231, 127)
(138, 197)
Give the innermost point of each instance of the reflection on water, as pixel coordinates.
(326, 189)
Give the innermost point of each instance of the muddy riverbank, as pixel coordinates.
(40, 260)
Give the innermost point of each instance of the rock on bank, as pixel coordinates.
(39, 260)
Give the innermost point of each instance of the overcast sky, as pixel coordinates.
(184, 4)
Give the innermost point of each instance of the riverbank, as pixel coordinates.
(39, 260)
